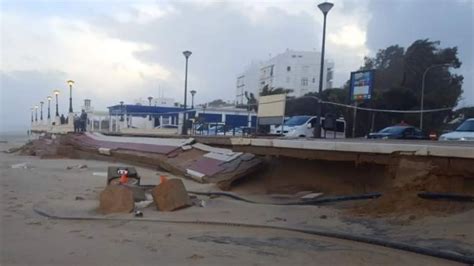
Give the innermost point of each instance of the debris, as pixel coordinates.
(195, 175)
(311, 196)
(168, 235)
(170, 195)
(195, 257)
(99, 174)
(186, 147)
(116, 198)
(138, 214)
(323, 216)
(197, 202)
(20, 166)
(78, 166)
(13, 150)
(79, 198)
(104, 151)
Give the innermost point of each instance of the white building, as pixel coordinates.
(295, 70)
(160, 101)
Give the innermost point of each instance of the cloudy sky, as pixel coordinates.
(124, 50)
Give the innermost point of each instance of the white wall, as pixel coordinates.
(296, 70)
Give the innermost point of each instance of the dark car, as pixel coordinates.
(399, 132)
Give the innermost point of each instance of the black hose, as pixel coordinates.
(446, 196)
(306, 202)
(325, 233)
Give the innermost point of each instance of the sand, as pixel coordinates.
(27, 238)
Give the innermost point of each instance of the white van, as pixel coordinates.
(303, 125)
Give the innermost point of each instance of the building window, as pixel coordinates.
(304, 82)
(314, 80)
(288, 68)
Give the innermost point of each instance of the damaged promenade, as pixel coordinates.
(241, 206)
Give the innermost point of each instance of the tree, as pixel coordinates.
(267, 90)
(398, 81)
(218, 103)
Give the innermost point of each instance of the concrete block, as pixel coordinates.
(116, 199)
(170, 195)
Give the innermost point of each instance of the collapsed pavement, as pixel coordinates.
(182, 157)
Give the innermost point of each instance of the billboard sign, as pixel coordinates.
(361, 86)
(271, 109)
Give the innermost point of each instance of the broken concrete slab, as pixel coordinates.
(171, 195)
(116, 199)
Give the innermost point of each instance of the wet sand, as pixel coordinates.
(30, 239)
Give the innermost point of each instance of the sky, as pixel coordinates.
(126, 50)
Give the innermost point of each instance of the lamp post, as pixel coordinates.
(324, 7)
(423, 90)
(193, 92)
(32, 115)
(149, 100)
(186, 54)
(49, 106)
(36, 113)
(56, 93)
(121, 111)
(70, 83)
(41, 111)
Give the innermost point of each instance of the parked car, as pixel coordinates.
(399, 132)
(303, 126)
(465, 132)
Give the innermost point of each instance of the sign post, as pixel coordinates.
(361, 86)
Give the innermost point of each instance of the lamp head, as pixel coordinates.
(49, 98)
(70, 82)
(36, 106)
(325, 7)
(192, 92)
(56, 92)
(41, 102)
(187, 54)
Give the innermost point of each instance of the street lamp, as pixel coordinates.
(70, 82)
(41, 113)
(193, 92)
(423, 89)
(149, 100)
(49, 106)
(324, 7)
(56, 93)
(36, 113)
(32, 115)
(186, 54)
(121, 111)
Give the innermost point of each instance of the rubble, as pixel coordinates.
(20, 166)
(116, 199)
(171, 195)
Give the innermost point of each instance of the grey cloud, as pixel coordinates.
(403, 22)
(222, 40)
(20, 90)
